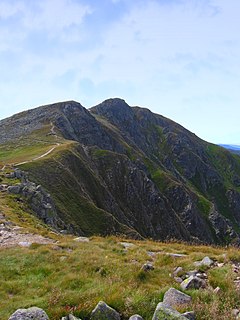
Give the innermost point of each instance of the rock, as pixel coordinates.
(25, 244)
(165, 312)
(70, 317)
(32, 313)
(206, 261)
(14, 189)
(235, 312)
(135, 317)
(174, 297)
(103, 312)
(127, 245)
(220, 265)
(176, 255)
(193, 282)
(147, 267)
(189, 315)
(81, 239)
(217, 290)
(176, 271)
(178, 279)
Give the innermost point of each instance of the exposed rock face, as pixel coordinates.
(39, 200)
(129, 172)
(32, 313)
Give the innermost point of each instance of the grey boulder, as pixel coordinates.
(70, 317)
(165, 312)
(103, 312)
(136, 317)
(190, 315)
(32, 313)
(174, 297)
(193, 282)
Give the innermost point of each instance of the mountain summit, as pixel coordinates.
(116, 169)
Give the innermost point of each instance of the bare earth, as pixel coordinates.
(12, 235)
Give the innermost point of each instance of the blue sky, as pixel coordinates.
(179, 58)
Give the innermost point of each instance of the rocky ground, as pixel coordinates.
(12, 235)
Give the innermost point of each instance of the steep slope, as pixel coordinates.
(117, 169)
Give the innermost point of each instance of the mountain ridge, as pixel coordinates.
(152, 176)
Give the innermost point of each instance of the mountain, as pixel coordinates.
(116, 169)
(231, 147)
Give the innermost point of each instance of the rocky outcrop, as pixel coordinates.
(39, 200)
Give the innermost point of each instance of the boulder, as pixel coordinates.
(193, 282)
(32, 313)
(174, 297)
(189, 315)
(70, 317)
(103, 312)
(165, 312)
(136, 317)
(14, 189)
(206, 261)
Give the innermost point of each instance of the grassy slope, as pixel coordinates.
(73, 277)
(27, 148)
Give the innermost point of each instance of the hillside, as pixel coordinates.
(116, 169)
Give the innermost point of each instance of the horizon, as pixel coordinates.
(177, 58)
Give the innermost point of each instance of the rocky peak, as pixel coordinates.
(115, 110)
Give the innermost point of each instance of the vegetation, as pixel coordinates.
(72, 277)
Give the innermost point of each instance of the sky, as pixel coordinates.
(179, 58)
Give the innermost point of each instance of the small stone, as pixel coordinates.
(220, 265)
(176, 271)
(165, 312)
(70, 317)
(81, 239)
(235, 312)
(136, 317)
(189, 315)
(176, 255)
(32, 313)
(178, 279)
(217, 290)
(103, 312)
(147, 267)
(193, 282)
(25, 244)
(174, 297)
(127, 245)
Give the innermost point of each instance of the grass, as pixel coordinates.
(29, 147)
(73, 277)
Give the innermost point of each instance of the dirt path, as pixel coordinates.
(52, 132)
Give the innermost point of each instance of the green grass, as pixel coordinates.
(27, 148)
(74, 277)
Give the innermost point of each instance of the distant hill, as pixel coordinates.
(116, 169)
(232, 148)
